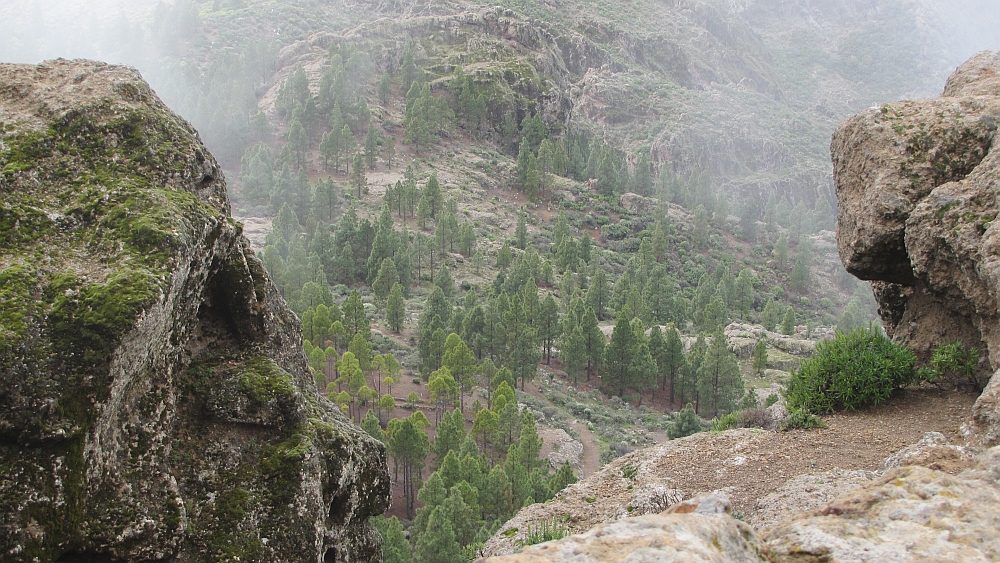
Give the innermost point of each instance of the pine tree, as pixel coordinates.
(760, 357)
(359, 181)
(395, 547)
(442, 279)
(387, 278)
(673, 361)
(529, 444)
(504, 256)
(781, 251)
(548, 325)
(720, 384)
(594, 339)
(485, 429)
(408, 445)
(371, 425)
(437, 544)
(383, 88)
(461, 362)
(799, 280)
(771, 315)
(573, 351)
(521, 232)
(371, 148)
(449, 435)
(395, 309)
(355, 319)
(618, 356)
(684, 424)
(598, 296)
(788, 322)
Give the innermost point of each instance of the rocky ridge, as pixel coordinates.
(154, 400)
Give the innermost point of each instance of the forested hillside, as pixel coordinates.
(496, 218)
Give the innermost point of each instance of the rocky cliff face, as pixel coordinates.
(154, 400)
(917, 184)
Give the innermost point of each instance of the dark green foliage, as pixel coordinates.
(395, 309)
(801, 419)
(760, 356)
(548, 530)
(685, 424)
(956, 363)
(720, 384)
(856, 369)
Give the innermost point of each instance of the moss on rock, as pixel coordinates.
(154, 402)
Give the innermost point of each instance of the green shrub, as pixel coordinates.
(801, 419)
(546, 531)
(724, 422)
(856, 369)
(956, 363)
(685, 424)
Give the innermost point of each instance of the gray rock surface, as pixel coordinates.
(911, 514)
(155, 402)
(697, 531)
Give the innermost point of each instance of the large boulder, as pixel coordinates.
(155, 402)
(917, 187)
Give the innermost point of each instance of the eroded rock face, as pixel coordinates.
(917, 184)
(154, 400)
(911, 514)
(700, 530)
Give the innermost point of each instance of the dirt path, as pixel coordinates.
(750, 469)
(591, 461)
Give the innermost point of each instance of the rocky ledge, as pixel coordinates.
(909, 514)
(155, 403)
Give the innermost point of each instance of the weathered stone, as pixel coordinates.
(637, 204)
(155, 402)
(932, 451)
(912, 514)
(699, 531)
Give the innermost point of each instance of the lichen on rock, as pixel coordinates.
(155, 403)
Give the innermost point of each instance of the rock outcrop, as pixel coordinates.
(697, 531)
(911, 513)
(907, 514)
(154, 400)
(917, 185)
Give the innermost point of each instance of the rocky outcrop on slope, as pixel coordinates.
(154, 400)
(700, 530)
(917, 185)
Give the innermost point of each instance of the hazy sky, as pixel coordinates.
(34, 30)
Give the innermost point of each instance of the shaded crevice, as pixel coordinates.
(226, 316)
(340, 508)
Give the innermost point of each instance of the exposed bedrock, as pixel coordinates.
(917, 183)
(155, 404)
